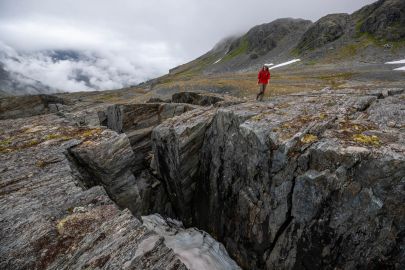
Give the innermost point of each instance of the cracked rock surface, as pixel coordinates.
(54, 215)
(305, 181)
(315, 180)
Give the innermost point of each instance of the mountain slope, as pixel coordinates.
(376, 31)
(385, 19)
(375, 34)
(271, 40)
(326, 30)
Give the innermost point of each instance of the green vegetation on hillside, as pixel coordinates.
(241, 49)
(365, 36)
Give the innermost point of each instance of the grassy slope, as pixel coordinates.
(312, 74)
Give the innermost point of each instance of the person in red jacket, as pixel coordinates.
(263, 79)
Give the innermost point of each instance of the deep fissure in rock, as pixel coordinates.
(210, 196)
(85, 178)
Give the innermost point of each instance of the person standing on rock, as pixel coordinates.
(263, 80)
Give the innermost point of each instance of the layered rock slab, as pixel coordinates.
(54, 218)
(109, 161)
(137, 121)
(49, 222)
(203, 98)
(176, 146)
(272, 180)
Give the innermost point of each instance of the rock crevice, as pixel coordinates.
(286, 184)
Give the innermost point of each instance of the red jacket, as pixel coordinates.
(264, 76)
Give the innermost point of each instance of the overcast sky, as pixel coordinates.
(139, 38)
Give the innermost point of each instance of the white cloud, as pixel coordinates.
(128, 41)
(105, 69)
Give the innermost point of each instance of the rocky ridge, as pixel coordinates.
(311, 180)
(302, 181)
(373, 34)
(324, 31)
(64, 187)
(385, 19)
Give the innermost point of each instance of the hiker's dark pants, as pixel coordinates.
(262, 88)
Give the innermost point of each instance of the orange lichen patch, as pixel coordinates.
(323, 116)
(79, 224)
(76, 224)
(35, 137)
(59, 137)
(258, 117)
(87, 143)
(347, 129)
(89, 133)
(290, 128)
(43, 163)
(69, 133)
(5, 144)
(34, 129)
(69, 231)
(367, 140)
(309, 138)
(353, 132)
(11, 147)
(353, 126)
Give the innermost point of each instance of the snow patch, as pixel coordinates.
(396, 62)
(218, 60)
(286, 63)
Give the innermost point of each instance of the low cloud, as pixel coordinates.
(83, 70)
(113, 45)
(92, 58)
